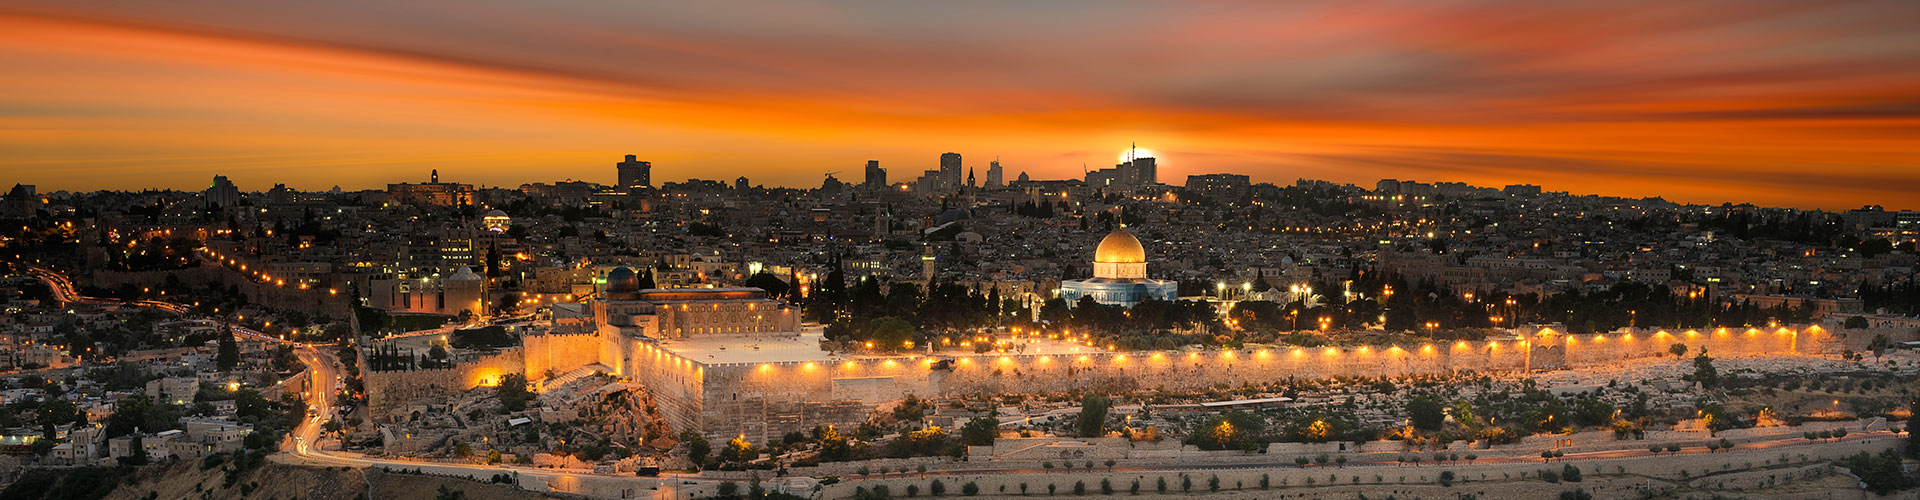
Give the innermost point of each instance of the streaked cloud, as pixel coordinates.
(1787, 103)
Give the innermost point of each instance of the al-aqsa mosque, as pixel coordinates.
(1119, 275)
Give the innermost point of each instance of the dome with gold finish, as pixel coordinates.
(1120, 247)
(1119, 275)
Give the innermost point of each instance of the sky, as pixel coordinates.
(1792, 103)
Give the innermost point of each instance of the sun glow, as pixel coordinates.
(1131, 153)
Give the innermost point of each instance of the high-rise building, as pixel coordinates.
(635, 173)
(222, 193)
(950, 171)
(1135, 172)
(1143, 172)
(876, 176)
(1521, 190)
(993, 174)
(432, 192)
(1231, 186)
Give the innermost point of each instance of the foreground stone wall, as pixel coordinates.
(725, 400)
(1486, 480)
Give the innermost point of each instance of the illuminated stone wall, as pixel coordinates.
(765, 400)
(388, 392)
(559, 352)
(673, 380)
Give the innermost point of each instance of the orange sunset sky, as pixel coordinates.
(1794, 103)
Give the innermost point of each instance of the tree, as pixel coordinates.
(445, 493)
(763, 280)
(739, 450)
(1913, 425)
(697, 447)
(889, 332)
(1856, 323)
(136, 450)
(1093, 415)
(1704, 372)
(513, 392)
(1678, 349)
(55, 412)
(980, 431)
(1881, 472)
(1426, 412)
(1879, 345)
(229, 355)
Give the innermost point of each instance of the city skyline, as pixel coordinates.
(1792, 105)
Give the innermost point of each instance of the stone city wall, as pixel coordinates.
(673, 380)
(725, 400)
(1241, 475)
(559, 353)
(289, 298)
(388, 391)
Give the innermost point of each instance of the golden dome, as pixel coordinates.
(1120, 247)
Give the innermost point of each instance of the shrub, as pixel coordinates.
(937, 488)
(1446, 478)
(1570, 474)
(1079, 487)
(1213, 483)
(1106, 487)
(970, 489)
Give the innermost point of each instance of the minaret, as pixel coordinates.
(926, 265)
